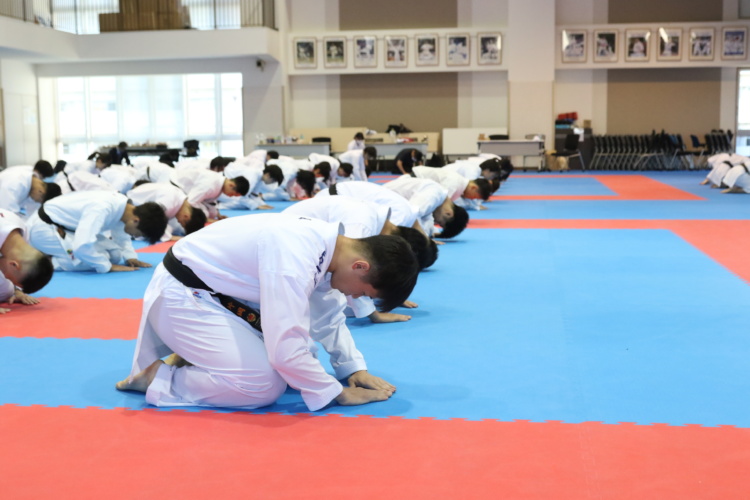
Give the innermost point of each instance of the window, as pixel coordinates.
(743, 113)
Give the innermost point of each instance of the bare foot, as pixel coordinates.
(141, 381)
(705, 181)
(175, 359)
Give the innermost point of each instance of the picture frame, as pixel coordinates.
(574, 46)
(335, 52)
(734, 43)
(490, 48)
(426, 50)
(365, 51)
(670, 44)
(305, 56)
(605, 46)
(395, 51)
(637, 45)
(701, 44)
(457, 53)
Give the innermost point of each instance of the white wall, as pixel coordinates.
(585, 92)
(315, 101)
(483, 99)
(18, 82)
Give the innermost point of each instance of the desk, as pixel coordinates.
(174, 153)
(389, 150)
(512, 148)
(298, 150)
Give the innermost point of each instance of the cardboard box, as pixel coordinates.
(109, 22)
(129, 22)
(169, 21)
(147, 21)
(128, 6)
(586, 123)
(148, 6)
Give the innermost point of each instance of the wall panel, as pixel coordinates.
(396, 14)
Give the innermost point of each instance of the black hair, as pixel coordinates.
(44, 168)
(418, 156)
(106, 159)
(306, 181)
(485, 188)
(52, 191)
(393, 269)
(197, 221)
(275, 172)
(495, 184)
(166, 158)
(140, 183)
(153, 221)
(39, 275)
(493, 165)
(220, 162)
(425, 250)
(274, 155)
(359, 136)
(324, 168)
(347, 168)
(60, 166)
(370, 152)
(241, 185)
(506, 168)
(122, 145)
(455, 224)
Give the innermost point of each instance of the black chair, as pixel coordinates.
(191, 148)
(570, 149)
(321, 139)
(499, 137)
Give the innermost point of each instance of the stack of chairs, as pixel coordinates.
(719, 141)
(631, 152)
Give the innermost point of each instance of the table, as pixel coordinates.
(174, 153)
(298, 150)
(512, 148)
(389, 150)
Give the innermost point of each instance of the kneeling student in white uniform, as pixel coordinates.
(23, 268)
(182, 217)
(238, 302)
(361, 160)
(205, 187)
(92, 230)
(21, 190)
(257, 178)
(737, 179)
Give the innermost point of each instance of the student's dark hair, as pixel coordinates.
(495, 184)
(275, 172)
(306, 181)
(153, 221)
(359, 136)
(324, 168)
(44, 168)
(493, 165)
(241, 185)
(105, 158)
(141, 183)
(425, 250)
(506, 168)
(370, 152)
(60, 166)
(485, 188)
(39, 275)
(456, 224)
(347, 168)
(166, 159)
(393, 269)
(197, 221)
(53, 191)
(122, 145)
(418, 156)
(274, 155)
(220, 162)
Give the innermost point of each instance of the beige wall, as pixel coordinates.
(663, 11)
(685, 101)
(424, 102)
(397, 14)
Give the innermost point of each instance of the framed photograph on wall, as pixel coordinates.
(304, 53)
(490, 48)
(670, 44)
(573, 46)
(427, 50)
(636, 45)
(335, 52)
(365, 55)
(458, 50)
(395, 51)
(605, 46)
(734, 43)
(701, 44)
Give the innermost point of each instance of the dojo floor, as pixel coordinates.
(586, 337)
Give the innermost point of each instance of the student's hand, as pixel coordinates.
(116, 268)
(4, 310)
(176, 238)
(482, 207)
(409, 304)
(438, 242)
(365, 380)
(23, 298)
(265, 207)
(221, 217)
(387, 317)
(138, 263)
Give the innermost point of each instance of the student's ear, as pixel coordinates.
(361, 265)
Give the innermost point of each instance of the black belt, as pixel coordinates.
(332, 189)
(67, 179)
(46, 218)
(187, 277)
(412, 174)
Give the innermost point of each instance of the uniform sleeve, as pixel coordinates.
(427, 200)
(285, 313)
(125, 242)
(362, 307)
(200, 193)
(84, 241)
(11, 198)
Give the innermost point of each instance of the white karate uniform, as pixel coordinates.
(289, 167)
(254, 176)
(120, 177)
(720, 166)
(424, 194)
(355, 145)
(202, 187)
(15, 187)
(9, 222)
(465, 168)
(355, 157)
(739, 177)
(170, 197)
(82, 180)
(402, 212)
(89, 214)
(454, 183)
(191, 163)
(153, 171)
(277, 263)
(316, 158)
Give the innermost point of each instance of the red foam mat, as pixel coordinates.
(158, 247)
(722, 240)
(74, 318)
(91, 453)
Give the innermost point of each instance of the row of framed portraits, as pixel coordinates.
(668, 44)
(426, 47)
